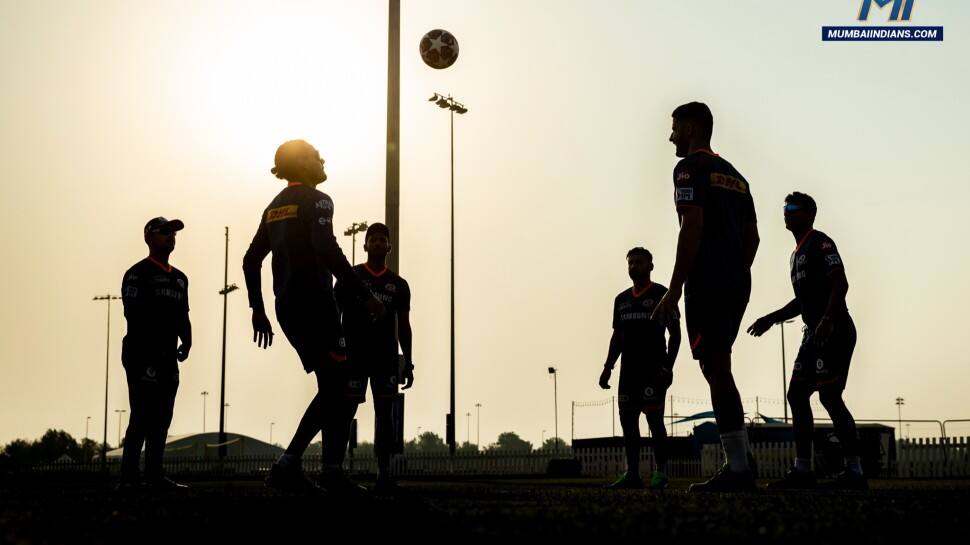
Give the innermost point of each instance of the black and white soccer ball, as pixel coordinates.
(439, 49)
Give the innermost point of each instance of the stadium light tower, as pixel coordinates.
(204, 395)
(121, 416)
(478, 425)
(899, 411)
(555, 401)
(271, 424)
(224, 292)
(352, 233)
(107, 352)
(454, 108)
(87, 423)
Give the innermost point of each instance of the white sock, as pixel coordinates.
(735, 450)
(286, 459)
(803, 464)
(854, 464)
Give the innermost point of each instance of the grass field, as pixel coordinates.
(245, 512)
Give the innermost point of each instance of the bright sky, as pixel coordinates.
(112, 112)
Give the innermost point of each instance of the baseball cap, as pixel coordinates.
(159, 223)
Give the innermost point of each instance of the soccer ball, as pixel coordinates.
(439, 49)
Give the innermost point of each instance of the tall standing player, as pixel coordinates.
(156, 299)
(297, 227)
(822, 365)
(716, 246)
(374, 345)
(646, 369)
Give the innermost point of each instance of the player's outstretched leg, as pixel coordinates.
(852, 477)
(287, 473)
(655, 419)
(384, 441)
(630, 423)
(336, 436)
(736, 474)
(800, 475)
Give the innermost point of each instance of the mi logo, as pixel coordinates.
(902, 9)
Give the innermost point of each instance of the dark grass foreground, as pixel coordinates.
(245, 512)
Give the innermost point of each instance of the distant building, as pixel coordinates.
(206, 445)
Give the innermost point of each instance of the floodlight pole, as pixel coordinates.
(224, 292)
(107, 352)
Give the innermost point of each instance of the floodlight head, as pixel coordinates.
(461, 110)
(552, 370)
(433, 98)
(443, 102)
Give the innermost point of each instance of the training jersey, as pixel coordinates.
(642, 340)
(297, 227)
(705, 180)
(156, 301)
(814, 260)
(374, 338)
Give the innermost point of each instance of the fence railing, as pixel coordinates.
(916, 458)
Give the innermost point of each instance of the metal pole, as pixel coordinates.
(468, 427)
(392, 198)
(222, 385)
(87, 423)
(452, 403)
(572, 426)
(120, 413)
(353, 247)
(478, 425)
(555, 400)
(672, 431)
(107, 367)
(204, 395)
(271, 424)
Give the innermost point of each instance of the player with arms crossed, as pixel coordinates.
(297, 227)
(716, 246)
(822, 365)
(373, 345)
(646, 369)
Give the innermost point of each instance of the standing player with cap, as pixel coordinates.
(156, 299)
(646, 370)
(822, 365)
(297, 227)
(715, 249)
(373, 345)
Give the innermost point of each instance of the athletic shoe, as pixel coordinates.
(337, 482)
(626, 482)
(291, 479)
(848, 480)
(386, 485)
(164, 483)
(659, 481)
(795, 480)
(726, 480)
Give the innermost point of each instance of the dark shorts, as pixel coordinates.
(714, 314)
(640, 390)
(382, 373)
(826, 366)
(315, 333)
